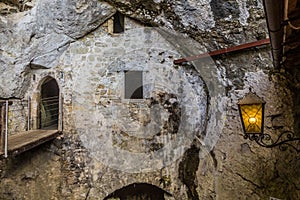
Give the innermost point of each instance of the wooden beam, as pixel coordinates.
(223, 51)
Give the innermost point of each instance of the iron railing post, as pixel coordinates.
(6, 129)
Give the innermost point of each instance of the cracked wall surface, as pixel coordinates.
(183, 137)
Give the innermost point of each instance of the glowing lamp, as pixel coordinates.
(251, 108)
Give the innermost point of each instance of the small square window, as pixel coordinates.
(118, 23)
(133, 85)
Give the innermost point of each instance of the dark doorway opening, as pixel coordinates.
(118, 20)
(139, 191)
(49, 104)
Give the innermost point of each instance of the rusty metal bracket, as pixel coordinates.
(223, 51)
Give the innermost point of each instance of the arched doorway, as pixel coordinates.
(49, 104)
(139, 191)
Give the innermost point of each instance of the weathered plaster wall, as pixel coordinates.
(37, 37)
(129, 136)
(32, 175)
(106, 143)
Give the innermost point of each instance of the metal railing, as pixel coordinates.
(6, 129)
(49, 112)
(16, 117)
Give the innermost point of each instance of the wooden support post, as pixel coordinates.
(29, 114)
(60, 112)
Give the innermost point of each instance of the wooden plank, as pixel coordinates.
(24, 141)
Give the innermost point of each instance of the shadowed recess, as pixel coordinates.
(141, 191)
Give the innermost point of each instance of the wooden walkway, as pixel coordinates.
(24, 141)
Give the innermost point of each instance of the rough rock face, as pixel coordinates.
(68, 40)
(180, 15)
(36, 38)
(13, 6)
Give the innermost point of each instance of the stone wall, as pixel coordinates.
(184, 136)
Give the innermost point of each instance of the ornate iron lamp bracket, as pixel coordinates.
(251, 109)
(285, 140)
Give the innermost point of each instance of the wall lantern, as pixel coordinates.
(251, 109)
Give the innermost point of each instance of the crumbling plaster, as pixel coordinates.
(79, 53)
(91, 76)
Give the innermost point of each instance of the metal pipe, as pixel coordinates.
(52, 97)
(51, 104)
(6, 129)
(222, 51)
(274, 18)
(286, 10)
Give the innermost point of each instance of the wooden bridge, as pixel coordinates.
(26, 140)
(17, 113)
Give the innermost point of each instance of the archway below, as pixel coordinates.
(139, 191)
(49, 104)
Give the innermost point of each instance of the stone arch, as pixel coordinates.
(48, 103)
(139, 191)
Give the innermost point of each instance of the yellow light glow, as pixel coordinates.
(252, 120)
(251, 108)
